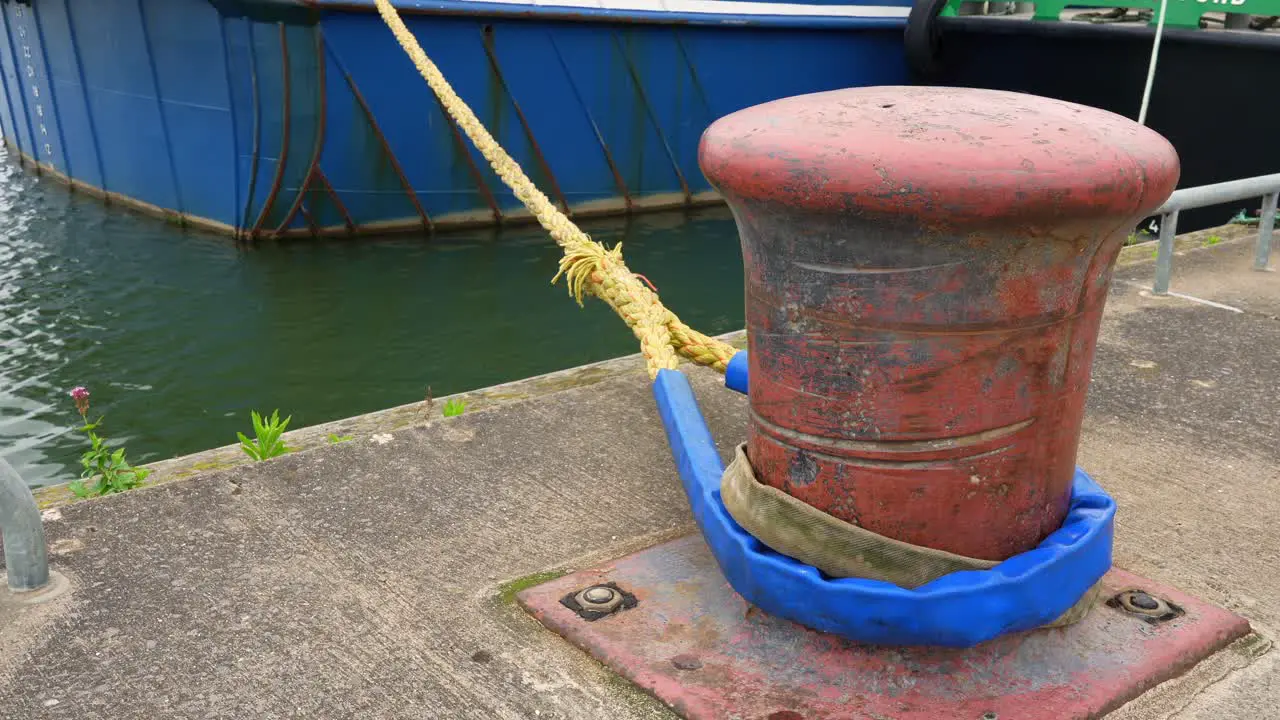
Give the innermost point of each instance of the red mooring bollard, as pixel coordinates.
(925, 274)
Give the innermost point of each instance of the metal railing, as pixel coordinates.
(20, 527)
(1265, 186)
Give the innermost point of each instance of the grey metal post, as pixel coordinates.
(1164, 256)
(23, 533)
(1266, 224)
(1268, 186)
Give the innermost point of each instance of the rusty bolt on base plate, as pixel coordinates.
(1151, 608)
(597, 601)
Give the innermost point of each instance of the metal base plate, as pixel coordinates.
(695, 644)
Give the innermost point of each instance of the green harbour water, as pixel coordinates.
(179, 334)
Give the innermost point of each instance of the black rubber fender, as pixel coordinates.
(922, 38)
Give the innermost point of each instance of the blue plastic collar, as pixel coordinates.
(735, 373)
(959, 610)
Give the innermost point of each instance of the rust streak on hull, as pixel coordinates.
(491, 50)
(461, 144)
(287, 120)
(595, 128)
(386, 146)
(653, 117)
(320, 136)
(337, 201)
(391, 156)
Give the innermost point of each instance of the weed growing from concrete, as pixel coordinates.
(1140, 236)
(106, 471)
(267, 444)
(454, 407)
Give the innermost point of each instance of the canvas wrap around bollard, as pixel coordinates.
(841, 549)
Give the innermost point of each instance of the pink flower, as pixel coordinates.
(80, 394)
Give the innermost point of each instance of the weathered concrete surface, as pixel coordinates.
(1182, 429)
(366, 579)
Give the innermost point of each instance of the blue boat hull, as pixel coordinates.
(266, 119)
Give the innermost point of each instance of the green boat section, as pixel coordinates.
(1178, 13)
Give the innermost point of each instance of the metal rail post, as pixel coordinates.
(23, 533)
(1266, 186)
(1164, 256)
(1266, 225)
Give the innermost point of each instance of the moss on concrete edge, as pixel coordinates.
(508, 591)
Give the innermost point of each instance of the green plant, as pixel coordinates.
(1212, 240)
(335, 439)
(112, 471)
(454, 407)
(1140, 236)
(268, 443)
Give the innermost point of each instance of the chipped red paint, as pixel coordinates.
(926, 270)
(735, 663)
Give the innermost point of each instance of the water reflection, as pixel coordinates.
(179, 334)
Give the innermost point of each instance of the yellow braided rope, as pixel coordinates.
(587, 266)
